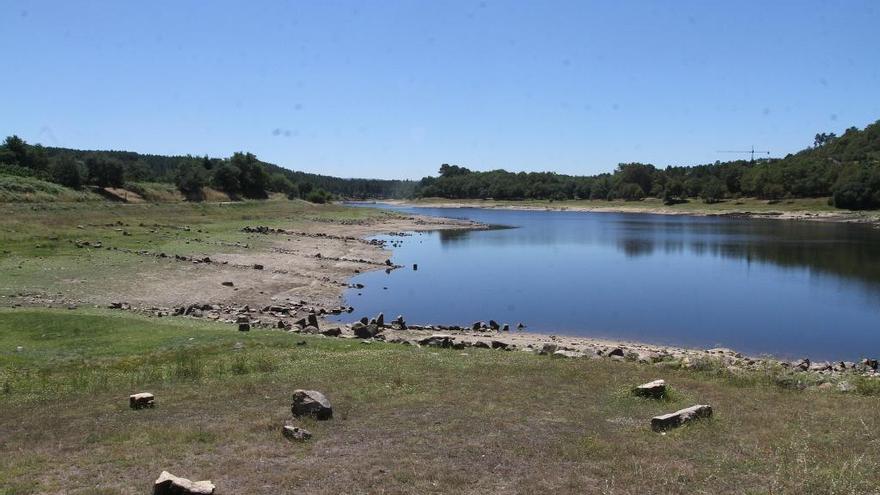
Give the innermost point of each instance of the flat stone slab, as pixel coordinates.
(653, 390)
(141, 400)
(168, 484)
(562, 353)
(678, 418)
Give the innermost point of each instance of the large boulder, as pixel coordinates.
(168, 484)
(678, 418)
(311, 403)
(331, 332)
(141, 400)
(652, 390)
(380, 319)
(362, 331)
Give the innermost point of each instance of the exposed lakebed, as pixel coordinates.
(786, 288)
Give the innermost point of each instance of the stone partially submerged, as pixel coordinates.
(651, 390)
(311, 403)
(141, 400)
(679, 418)
(168, 484)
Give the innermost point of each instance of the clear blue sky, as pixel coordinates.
(395, 88)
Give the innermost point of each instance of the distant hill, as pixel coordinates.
(845, 168)
(75, 168)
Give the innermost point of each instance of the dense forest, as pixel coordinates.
(845, 168)
(241, 175)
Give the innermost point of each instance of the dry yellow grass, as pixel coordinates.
(407, 420)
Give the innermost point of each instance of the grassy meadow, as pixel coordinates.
(407, 419)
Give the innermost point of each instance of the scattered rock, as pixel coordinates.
(331, 332)
(362, 331)
(228, 284)
(562, 353)
(244, 327)
(652, 390)
(258, 266)
(547, 349)
(380, 319)
(437, 340)
(141, 400)
(497, 344)
(168, 484)
(802, 365)
(678, 418)
(311, 403)
(296, 433)
(313, 320)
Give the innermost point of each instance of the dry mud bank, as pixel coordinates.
(751, 209)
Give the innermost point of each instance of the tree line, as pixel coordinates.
(845, 168)
(241, 175)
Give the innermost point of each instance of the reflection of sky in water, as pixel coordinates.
(782, 287)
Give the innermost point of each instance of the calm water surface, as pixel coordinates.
(760, 286)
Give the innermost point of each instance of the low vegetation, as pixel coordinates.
(407, 420)
(18, 189)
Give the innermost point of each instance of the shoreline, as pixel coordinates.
(843, 216)
(282, 276)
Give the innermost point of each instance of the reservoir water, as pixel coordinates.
(785, 288)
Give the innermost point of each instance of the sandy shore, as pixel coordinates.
(843, 216)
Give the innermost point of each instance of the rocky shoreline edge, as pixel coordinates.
(798, 374)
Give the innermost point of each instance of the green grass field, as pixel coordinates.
(38, 252)
(407, 420)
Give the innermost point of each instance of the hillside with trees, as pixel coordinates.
(242, 175)
(844, 168)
